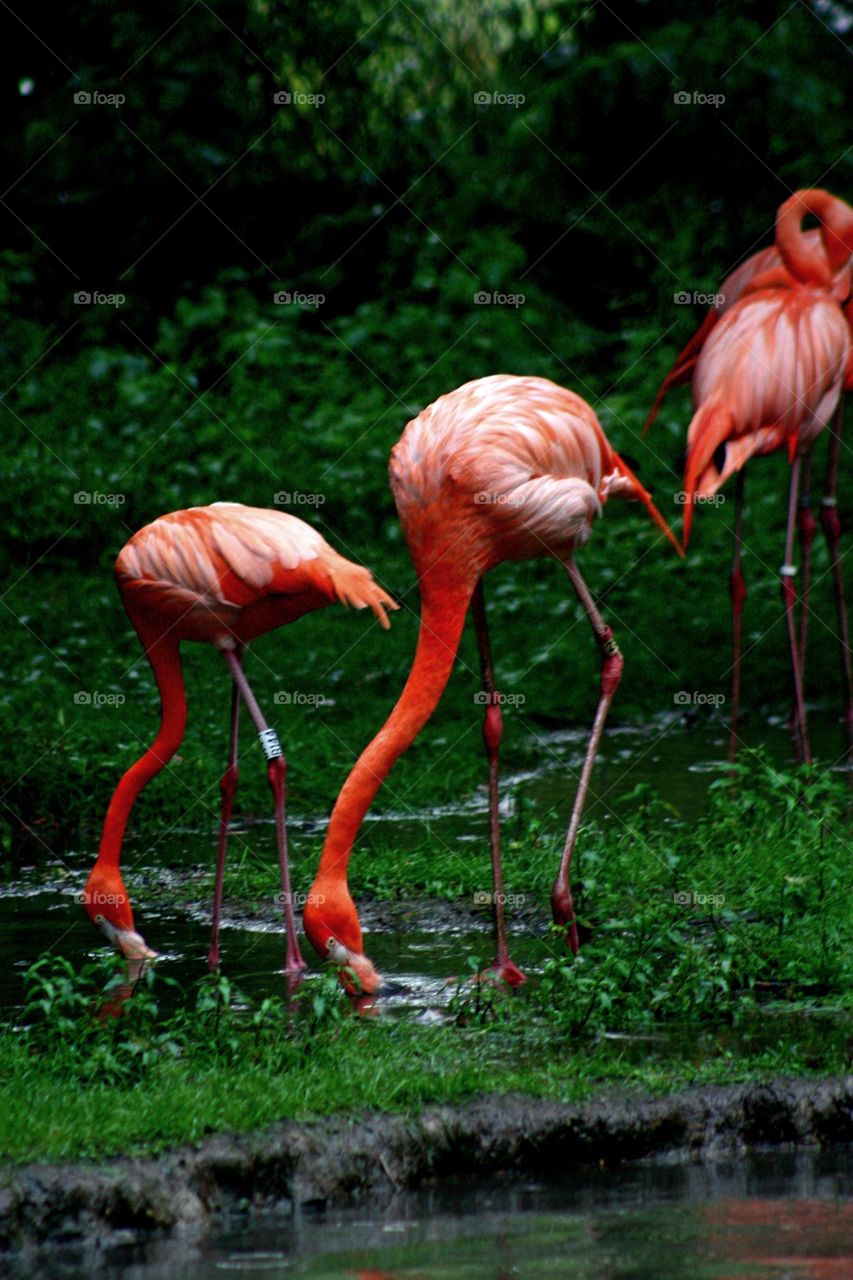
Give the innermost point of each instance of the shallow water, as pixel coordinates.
(779, 1217)
(422, 956)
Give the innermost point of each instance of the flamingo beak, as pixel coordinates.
(355, 970)
(132, 945)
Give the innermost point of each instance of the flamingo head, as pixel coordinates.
(332, 927)
(107, 905)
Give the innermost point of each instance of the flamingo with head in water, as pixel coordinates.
(504, 468)
(224, 574)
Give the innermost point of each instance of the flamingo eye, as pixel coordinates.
(99, 919)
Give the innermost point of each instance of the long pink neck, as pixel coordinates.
(163, 654)
(809, 261)
(443, 613)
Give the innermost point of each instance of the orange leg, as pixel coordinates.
(832, 528)
(562, 906)
(787, 574)
(738, 596)
(276, 774)
(227, 788)
(492, 734)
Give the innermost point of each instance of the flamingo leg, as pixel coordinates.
(787, 574)
(737, 587)
(562, 907)
(831, 523)
(276, 774)
(492, 734)
(227, 788)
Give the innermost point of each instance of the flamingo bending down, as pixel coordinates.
(821, 256)
(504, 468)
(224, 574)
(769, 376)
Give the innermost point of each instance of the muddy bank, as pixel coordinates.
(333, 1161)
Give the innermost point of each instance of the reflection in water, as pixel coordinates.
(779, 1216)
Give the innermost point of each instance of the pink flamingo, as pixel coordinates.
(504, 468)
(769, 376)
(223, 574)
(799, 256)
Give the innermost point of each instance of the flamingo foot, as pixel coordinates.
(508, 972)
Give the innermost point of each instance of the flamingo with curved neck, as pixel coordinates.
(504, 468)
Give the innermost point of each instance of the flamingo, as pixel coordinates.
(223, 574)
(503, 468)
(769, 376)
(797, 256)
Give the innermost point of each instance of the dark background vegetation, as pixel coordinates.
(599, 198)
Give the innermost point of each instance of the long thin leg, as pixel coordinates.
(737, 588)
(492, 734)
(787, 574)
(276, 774)
(806, 525)
(562, 907)
(831, 522)
(227, 788)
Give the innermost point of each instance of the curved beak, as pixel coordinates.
(355, 970)
(132, 945)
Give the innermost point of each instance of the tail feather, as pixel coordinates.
(711, 426)
(353, 586)
(632, 488)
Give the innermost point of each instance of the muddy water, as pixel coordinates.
(771, 1217)
(423, 950)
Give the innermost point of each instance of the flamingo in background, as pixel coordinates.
(504, 468)
(224, 574)
(768, 375)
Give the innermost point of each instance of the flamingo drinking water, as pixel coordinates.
(504, 468)
(224, 574)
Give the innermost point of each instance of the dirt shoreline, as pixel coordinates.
(336, 1160)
